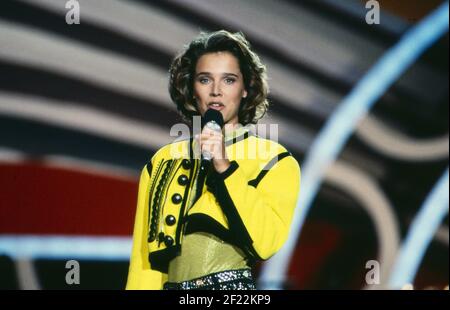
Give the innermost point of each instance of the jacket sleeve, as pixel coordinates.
(259, 212)
(140, 275)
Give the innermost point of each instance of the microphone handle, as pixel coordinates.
(206, 156)
(214, 126)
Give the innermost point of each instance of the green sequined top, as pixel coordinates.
(204, 253)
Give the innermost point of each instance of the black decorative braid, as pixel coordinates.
(156, 205)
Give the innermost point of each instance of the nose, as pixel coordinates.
(215, 90)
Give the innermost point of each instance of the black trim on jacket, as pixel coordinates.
(186, 191)
(216, 184)
(238, 138)
(155, 204)
(149, 169)
(237, 228)
(159, 260)
(267, 167)
(199, 222)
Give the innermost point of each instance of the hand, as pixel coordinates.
(212, 141)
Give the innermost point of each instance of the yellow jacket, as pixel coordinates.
(250, 205)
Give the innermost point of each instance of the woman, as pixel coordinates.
(207, 232)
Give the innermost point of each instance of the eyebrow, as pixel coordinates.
(224, 74)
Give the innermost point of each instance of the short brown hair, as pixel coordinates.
(182, 71)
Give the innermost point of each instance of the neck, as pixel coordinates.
(229, 128)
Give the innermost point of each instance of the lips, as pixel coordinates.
(216, 105)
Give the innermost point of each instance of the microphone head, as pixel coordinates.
(212, 115)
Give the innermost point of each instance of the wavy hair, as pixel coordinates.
(182, 72)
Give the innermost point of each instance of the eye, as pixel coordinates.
(230, 80)
(203, 80)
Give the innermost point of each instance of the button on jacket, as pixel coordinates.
(250, 205)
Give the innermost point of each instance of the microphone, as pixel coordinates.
(212, 119)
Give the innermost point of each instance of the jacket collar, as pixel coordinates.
(233, 136)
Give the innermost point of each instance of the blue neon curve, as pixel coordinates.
(421, 232)
(332, 138)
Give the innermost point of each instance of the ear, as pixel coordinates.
(244, 95)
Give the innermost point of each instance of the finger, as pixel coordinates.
(208, 148)
(210, 143)
(207, 137)
(211, 132)
(212, 146)
(206, 130)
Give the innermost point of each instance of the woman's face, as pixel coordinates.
(219, 85)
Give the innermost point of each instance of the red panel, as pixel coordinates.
(37, 199)
(317, 241)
